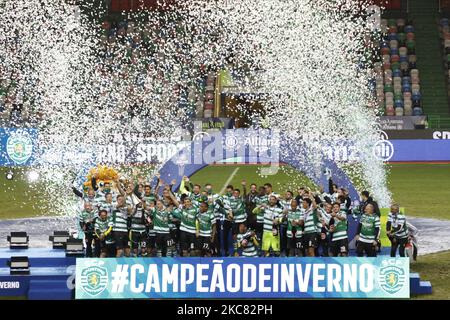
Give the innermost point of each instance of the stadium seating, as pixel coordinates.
(396, 75)
(444, 28)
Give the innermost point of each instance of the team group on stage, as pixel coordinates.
(127, 218)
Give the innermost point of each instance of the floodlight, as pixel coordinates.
(10, 175)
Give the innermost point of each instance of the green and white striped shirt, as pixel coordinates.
(398, 221)
(258, 201)
(188, 219)
(238, 208)
(271, 213)
(340, 231)
(206, 221)
(286, 205)
(161, 221)
(291, 216)
(119, 219)
(368, 225)
(310, 218)
(250, 249)
(138, 220)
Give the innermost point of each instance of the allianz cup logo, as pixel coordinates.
(383, 148)
(94, 280)
(19, 147)
(391, 278)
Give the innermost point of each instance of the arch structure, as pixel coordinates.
(256, 146)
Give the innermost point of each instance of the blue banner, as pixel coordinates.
(19, 147)
(294, 278)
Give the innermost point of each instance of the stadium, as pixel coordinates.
(224, 149)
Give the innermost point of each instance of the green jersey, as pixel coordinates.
(149, 198)
(87, 218)
(120, 219)
(176, 214)
(108, 207)
(161, 220)
(238, 208)
(94, 201)
(138, 220)
(398, 221)
(369, 224)
(205, 221)
(311, 220)
(249, 250)
(294, 216)
(195, 198)
(286, 205)
(102, 227)
(340, 227)
(258, 201)
(188, 219)
(271, 213)
(226, 202)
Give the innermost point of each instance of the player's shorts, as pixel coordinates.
(259, 229)
(151, 241)
(299, 243)
(187, 240)
(236, 226)
(164, 240)
(291, 243)
(203, 243)
(110, 249)
(121, 240)
(270, 241)
(101, 245)
(174, 235)
(138, 239)
(310, 240)
(339, 246)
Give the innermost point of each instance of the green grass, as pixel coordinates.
(285, 179)
(421, 188)
(435, 268)
(17, 199)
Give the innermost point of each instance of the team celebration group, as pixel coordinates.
(134, 218)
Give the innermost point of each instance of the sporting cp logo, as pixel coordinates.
(19, 147)
(391, 279)
(94, 280)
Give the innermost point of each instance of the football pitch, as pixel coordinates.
(421, 188)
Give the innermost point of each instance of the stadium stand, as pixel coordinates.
(433, 84)
(144, 44)
(397, 76)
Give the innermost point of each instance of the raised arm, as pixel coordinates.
(183, 189)
(119, 187)
(244, 189)
(174, 199)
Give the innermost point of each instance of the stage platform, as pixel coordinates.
(52, 275)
